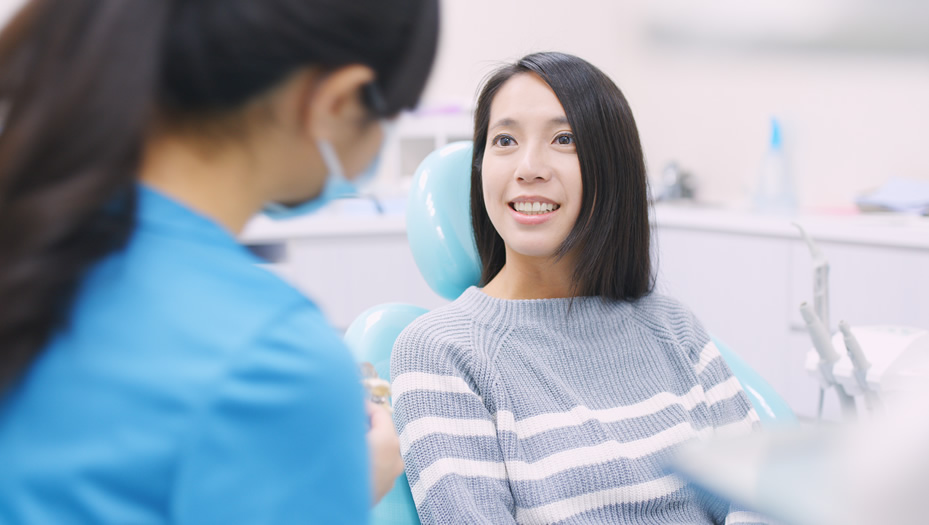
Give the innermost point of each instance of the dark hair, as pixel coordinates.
(611, 235)
(81, 82)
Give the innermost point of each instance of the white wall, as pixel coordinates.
(850, 119)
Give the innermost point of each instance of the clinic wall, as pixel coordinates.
(850, 119)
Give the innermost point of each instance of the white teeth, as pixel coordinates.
(534, 208)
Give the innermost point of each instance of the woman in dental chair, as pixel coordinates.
(556, 391)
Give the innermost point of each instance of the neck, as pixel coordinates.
(219, 182)
(533, 278)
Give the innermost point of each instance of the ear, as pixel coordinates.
(332, 103)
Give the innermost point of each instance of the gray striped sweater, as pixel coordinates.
(553, 411)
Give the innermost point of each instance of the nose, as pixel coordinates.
(532, 166)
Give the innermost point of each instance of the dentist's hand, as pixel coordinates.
(384, 446)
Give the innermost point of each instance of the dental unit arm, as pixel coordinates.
(820, 278)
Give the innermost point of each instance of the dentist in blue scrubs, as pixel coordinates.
(151, 373)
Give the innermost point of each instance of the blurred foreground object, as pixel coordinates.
(868, 473)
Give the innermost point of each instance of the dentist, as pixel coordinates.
(151, 373)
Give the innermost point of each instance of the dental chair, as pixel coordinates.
(441, 239)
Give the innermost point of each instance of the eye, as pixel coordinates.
(565, 139)
(503, 140)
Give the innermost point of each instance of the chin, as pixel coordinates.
(535, 251)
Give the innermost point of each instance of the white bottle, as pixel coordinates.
(774, 192)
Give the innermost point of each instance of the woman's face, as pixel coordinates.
(531, 176)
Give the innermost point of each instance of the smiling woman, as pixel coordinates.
(558, 390)
(531, 176)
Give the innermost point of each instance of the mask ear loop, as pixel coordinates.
(330, 159)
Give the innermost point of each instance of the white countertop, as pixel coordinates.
(878, 229)
(891, 230)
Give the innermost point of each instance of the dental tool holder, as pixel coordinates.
(898, 358)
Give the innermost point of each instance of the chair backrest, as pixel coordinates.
(438, 224)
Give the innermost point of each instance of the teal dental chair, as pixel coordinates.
(440, 236)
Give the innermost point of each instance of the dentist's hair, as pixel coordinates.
(82, 83)
(612, 231)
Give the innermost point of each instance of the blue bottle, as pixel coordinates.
(775, 192)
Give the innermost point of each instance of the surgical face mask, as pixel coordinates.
(336, 185)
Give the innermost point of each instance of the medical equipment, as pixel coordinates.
(860, 364)
(820, 277)
(877, 362)
(889, 361)
(825, 359)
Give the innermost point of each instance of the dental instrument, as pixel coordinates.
(860, 364)
(828, 356)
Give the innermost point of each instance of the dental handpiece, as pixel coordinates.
(855, 353)
(859, 363)
(819, 334)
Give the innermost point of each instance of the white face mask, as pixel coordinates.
(336, 185)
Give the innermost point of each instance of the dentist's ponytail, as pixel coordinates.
(77, 89)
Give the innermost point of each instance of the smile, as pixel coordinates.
(534, 208)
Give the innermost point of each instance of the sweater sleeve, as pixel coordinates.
(731, 412)
(448, 435)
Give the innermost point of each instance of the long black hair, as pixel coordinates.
(612, 231)
(81, 84)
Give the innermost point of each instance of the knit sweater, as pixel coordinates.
(560, 410)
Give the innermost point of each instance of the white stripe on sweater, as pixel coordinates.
(560, 461)
(531, 426)
(579, 415)
(603, 453)
(466, 468)
(421, 381)
(425, 426)
(564, 509)
(707, 355)
(723, 391)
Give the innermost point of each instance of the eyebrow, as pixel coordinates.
(506, 122)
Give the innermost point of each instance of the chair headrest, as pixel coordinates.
(438, 221)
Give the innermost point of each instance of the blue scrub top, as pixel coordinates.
(189, 387)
